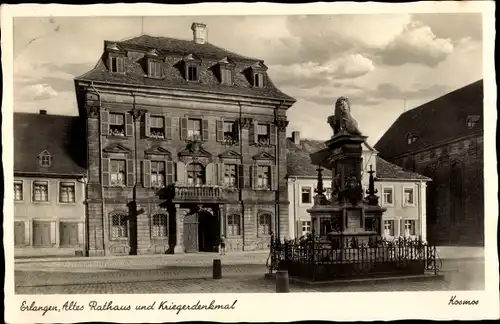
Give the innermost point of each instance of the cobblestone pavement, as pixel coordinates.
(458, 275)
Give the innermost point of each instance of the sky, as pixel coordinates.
(384, 64)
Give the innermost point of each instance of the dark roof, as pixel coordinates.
(299, 163)
(439, 120)
(174, 51)
(63, 137)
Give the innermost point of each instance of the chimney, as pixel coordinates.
(296, 137)
(43, 112)
(199, 33)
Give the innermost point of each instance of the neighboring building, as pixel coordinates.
(49, 189)
(163, 111)
(402, 192)
(443, 139)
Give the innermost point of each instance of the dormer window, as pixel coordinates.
(226, 71)
(192, 73)
(116, 64)
(472, 121)
(258, 80)
(257, 74)
(192, 66)
(45, 159)
(410, 138)
(154, 69)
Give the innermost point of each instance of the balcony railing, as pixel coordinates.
(193, 192)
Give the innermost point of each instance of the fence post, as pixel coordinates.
(282, 282)
(217, 269)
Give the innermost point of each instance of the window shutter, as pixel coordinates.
(253, 169)
(220, 173)
(104, 122)
(129, 124)
(147, 124)
(120, 64)
(252, 132)
(170, 172)
(105, 164)
(146, 173)
(168, 127)
(53, 239)
(240, 174)
(151, 68)
(220, 131)
(183, 123)
(181, 172)
(210, 174)
(130, 172)
(272, 134)
(204, 130)
(274, 177)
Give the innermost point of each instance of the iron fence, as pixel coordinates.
(349, 256)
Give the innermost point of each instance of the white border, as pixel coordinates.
(269, 307)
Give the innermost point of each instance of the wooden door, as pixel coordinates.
(191, 233)
(69, 233)
(41, 233)
(19, 238)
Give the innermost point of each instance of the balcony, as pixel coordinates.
(197, 193)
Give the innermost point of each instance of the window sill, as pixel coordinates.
(147, 76)
(233, 237)
(117, 136)
(263, 144)
(409, 205)
(119, 239)
(67, 203)
(40, 202)
(19, 201)
(159, 238)
(388, 205)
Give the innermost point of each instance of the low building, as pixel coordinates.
(443, 140)
(49, 185)
(402, 192)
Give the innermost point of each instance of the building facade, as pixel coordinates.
(402, 192)
(183, 142)
(443, 140)
(49, 186)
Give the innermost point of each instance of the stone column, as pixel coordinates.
(222, 219)
(179, 227)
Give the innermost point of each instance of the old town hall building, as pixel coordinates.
(185, 144)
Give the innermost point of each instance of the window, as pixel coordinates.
(306, 195)
(45, 159)
(408, 197)
(306, 227)
(472, 121)
(192, 73)
(194, 128)
(389, 228)
(263, 177)
(157, 174)
(388, 196)
(68, 234)
(264, 224)
(411, 138)
(195, 174)
(156, 127)
(19, 234)
(18, 190)
(233, 225)
(117, 65)
(263, 136)
(116, 124)
(230, 133)
(230, 176)
(155, 70)
(258, 80)
(409, 227)
(226, 76)
(40, 191)
(159, 228)
(66, 192)
(117, 173)
(119, 226)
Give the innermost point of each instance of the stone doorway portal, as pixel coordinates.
(208, 231)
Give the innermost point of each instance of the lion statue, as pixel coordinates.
(342, 120)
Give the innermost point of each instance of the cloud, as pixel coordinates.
(417, 44)
(392, 91)
(353, 66)
(38, 92)
(454, 26)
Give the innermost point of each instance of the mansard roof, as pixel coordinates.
(174, 51)
(62, 136)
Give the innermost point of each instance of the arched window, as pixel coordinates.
(265, 224)
(195, 174)
(456, 191)
(233, 225)
(119, 226)
(159, 227)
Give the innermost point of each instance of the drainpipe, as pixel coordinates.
(277, 162)
(100, 161)
(295, 231)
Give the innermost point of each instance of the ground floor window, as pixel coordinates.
(265, 222)
(119, 226)
(389, 228)
(233, 225)
(68, 233)
(19, 233)
(42, 234)
(159, 228)
(409, 227)
(306, 227)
